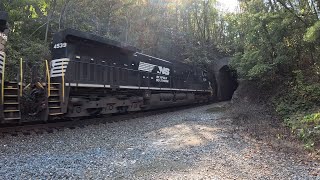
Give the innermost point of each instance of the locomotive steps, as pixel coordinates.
(55, 100)
(11, 105)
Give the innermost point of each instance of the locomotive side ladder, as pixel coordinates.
(55, 95)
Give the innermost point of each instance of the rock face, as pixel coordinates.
(240, 92)
(248, 92)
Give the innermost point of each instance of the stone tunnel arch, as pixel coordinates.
(225, 79)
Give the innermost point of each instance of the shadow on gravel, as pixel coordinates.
(211, 148)
(259, 125)
(207, 148)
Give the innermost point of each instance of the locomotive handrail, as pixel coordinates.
(62, 79)
(21, 77)
(48, 76)
(2, 80)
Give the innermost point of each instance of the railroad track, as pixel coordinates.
(52, 127)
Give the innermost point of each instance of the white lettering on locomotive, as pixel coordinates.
(162, 79)
(147, 67)
(164, 71)
(60, 45)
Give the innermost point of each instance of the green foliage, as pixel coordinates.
(313, 33)
(277, 43)
(188, 30)
(299, 105)
(307, 126)
(33, 52)
(312, 119)
(271, 42)
(26, 39)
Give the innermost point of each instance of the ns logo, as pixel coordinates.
(163, 71)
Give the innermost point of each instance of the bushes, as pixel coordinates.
(32, 51)
(299, 105)
(306, 126)
(278, 45)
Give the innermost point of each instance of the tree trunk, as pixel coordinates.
(62, 13)
(53, 6)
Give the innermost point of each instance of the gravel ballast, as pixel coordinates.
(194, 143)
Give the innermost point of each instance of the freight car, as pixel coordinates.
(91, 75)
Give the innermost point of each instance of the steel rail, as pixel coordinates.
(50, 127)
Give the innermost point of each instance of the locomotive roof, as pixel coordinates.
(63, 36)
(159, 59)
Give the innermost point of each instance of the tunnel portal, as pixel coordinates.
(227, 83)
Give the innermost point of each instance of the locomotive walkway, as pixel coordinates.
(198, 143)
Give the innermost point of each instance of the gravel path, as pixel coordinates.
(187, 144)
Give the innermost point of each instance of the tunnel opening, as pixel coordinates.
(227, 83)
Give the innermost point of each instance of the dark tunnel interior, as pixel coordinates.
(227, 83)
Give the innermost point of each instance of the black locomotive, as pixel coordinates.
(91, 75)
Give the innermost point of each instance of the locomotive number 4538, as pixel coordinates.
(60, 45)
